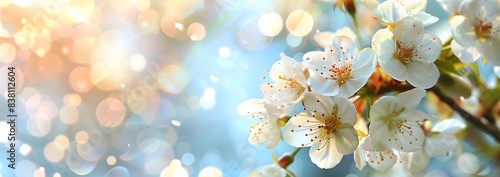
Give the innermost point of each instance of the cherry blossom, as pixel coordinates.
(290, 79)
(267, 131)
(407, 53)
(340, 70)
(392, 11)
(327, 129)
(476, 31)
(395, 122)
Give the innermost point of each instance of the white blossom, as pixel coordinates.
(407, 53)
(340, 70)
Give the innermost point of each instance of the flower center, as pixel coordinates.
(290, 82)
(329, 128)
(403, 54)
(341, 72)
(483, 29)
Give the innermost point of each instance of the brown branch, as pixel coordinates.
(490, 129)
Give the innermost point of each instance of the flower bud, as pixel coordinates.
(285, 160)
(349, 6)
(454, 86)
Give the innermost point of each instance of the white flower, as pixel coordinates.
(367, 154)
(407, 53)
(267, 131)
(290, 82)
(378, 160)
(392, 11)
(328, 129)
(476, 31)
(497, 71)
(395, 122)
(324, 39)
(340, 70)
(271, 170)
(439, 141)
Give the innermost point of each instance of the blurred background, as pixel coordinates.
(150, 87)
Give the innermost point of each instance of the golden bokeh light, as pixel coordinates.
(110, 112)
(172, 78)
(299, 23)
(79, 79)
(270, 24)
(196, 31)
(7, 52)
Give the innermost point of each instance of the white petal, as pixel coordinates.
(321, 85)
(383, 43)
(278, 111)
(417, 160)
(450, 126)
(359, 156)
(465, 54)
(282, 68)
(346, 140)
(411, 98)
(497, 71)
(409, 32)
(425, 18)
(253, 108)
(324, 38)
(345, 111)
(271, 170)
(275, 140)
(263, 132)
(463, 31)
(383, 107)
(364, 64)
(343, 47)
(391, 11)
(325, 154)
(409, 137)
(319, 104)
(281, 93)
(422, 74)
(379, 135)
(350, 87)
(416, 115)
(394, 68)
(297, 130)
(490, 52)
(428, 49)
(441, 144)
(381, 160)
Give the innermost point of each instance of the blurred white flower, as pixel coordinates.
(378, 160)
(290, 82)
(340, 70)
(439, 141)
(476, 31)
(395, 122)
(267, 131)
(407, 53)
(271, 170)
(328, 129)
(497, 71)
(392, 11)
(325, 38)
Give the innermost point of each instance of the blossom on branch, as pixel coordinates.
(327, 129)
(290, 79)
(407, 53)
(340, 70)
(267, 131)
(476, 32)
(395, 122)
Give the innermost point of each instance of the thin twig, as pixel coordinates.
(490, 129)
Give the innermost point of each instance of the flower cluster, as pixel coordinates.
(385, 83)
